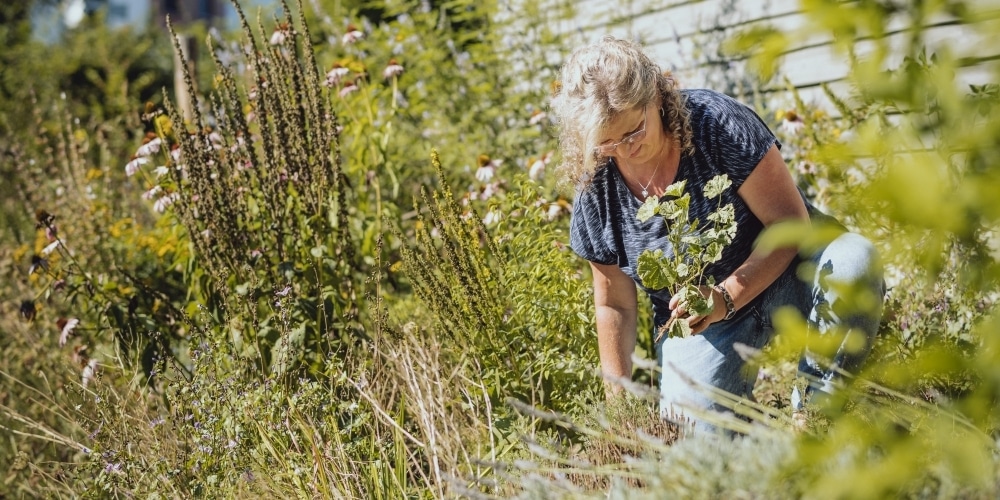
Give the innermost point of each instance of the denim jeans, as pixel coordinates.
(816, 287)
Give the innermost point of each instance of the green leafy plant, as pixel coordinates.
(695, 244)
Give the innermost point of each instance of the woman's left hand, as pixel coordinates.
(698, 324)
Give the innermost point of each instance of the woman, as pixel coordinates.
(627, 134)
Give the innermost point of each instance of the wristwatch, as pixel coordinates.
(730, 305)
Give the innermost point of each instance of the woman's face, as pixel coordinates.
(633, 136)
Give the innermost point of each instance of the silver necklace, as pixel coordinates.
(645, 189)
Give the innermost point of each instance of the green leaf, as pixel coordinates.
(717, 185)
(648, 209)
(676, 189)
(654, 270)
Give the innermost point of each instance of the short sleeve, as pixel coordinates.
(735, 136)
(589, 234)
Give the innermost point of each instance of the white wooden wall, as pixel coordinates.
(685, 35)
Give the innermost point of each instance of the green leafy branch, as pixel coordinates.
(695, 246)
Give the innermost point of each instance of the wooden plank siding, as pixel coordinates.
(685, 37)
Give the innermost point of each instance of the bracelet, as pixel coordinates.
(730, 305)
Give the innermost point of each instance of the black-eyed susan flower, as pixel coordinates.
(28, 310)
(38, 262)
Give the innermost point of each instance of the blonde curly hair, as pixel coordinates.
(599, 81)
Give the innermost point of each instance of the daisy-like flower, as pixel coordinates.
(149, 148)
(88, 372)
(50, 248)
(336, 75)
(133, 166)
(489, 190)
(149, 195)
(66, 327)
(165, 201)
(536, 167)
(792, 123)
(175, 153)
(352, 35)
(161, 171)
(537, 116)
(394, 69)
(351, 87)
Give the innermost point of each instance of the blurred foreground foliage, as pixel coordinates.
(344, 273)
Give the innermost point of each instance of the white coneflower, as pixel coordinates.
(352, 35)
(165, 201)
(150, 148)
(133, 166)
(88, 372)
(280, 34)
(336, 75)
(537, 116)
(161, 171)
(492, 217)
(50, 248)
(487, 168)
(792, 123)
(394, 69)
(485, 173)
(555, 210)
(149, 195)
(66, 327)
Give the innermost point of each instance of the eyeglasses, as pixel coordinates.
(628, 141)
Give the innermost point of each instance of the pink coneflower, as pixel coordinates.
(161, 171)
(175, 153)
(351, 87)
(352, 35)
(394, 69)
(149, 148)
(51, 232)
(149, 195)
(336, 75)
(133, 166)
(66, 327)
(79, 355)
(165, 201)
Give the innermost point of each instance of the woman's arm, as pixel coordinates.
(616, 306)
(771, 195)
